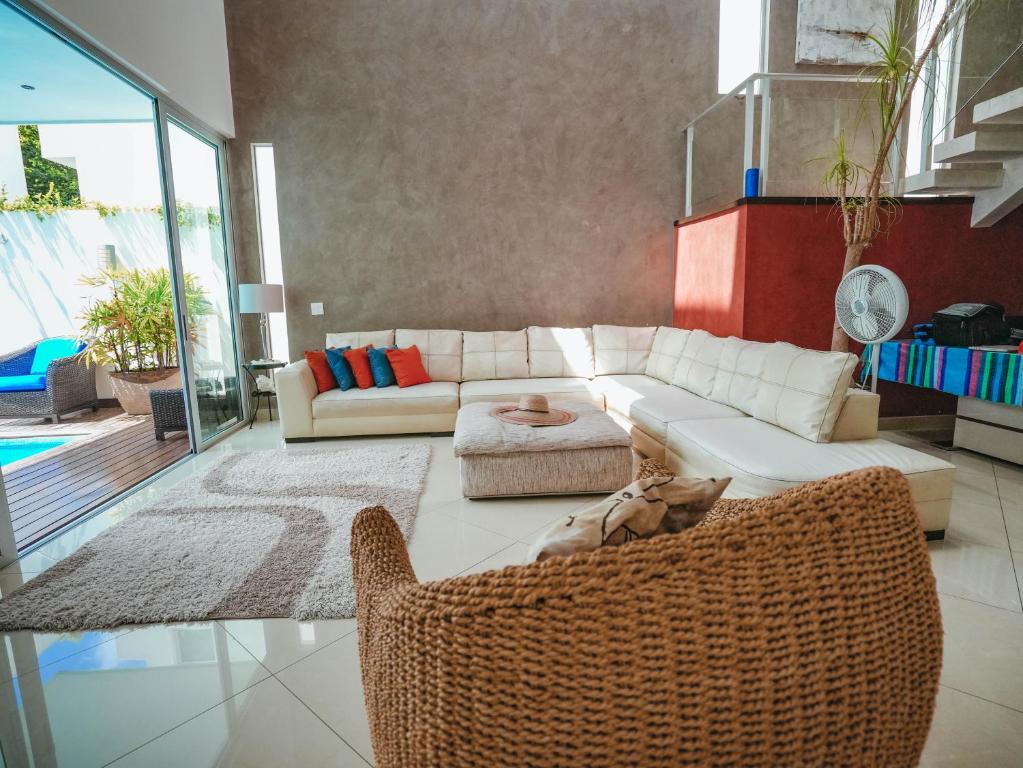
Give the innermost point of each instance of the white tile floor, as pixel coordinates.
(277, 692)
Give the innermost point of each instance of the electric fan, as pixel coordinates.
(871, 305)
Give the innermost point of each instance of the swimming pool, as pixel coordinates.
(14, 449)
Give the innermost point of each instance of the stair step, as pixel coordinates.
(1006, 109)
(980, 147)
(950, 180)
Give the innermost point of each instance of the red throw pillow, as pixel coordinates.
(358, 358)
(317, 360)
(408, 366)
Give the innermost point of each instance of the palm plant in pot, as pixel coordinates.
(130, 328)
(862, 200)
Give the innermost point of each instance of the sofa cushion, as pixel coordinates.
(698, 364)
(380, 366)
(441, 351)
(49, 350)
(360, 339)
(494, 355)
(620, 349)
(764, 459)
(358, 361)
(324, 376)
(665, 352)
(622, 390)
(407, 366)
(659, 407)
(30, 382)
(510, 390)
(802, 390)
(436, 397)
(558, 352)
(740, 367)
(339, 367)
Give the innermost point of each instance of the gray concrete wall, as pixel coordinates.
(473, 164)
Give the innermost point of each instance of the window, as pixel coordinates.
(741, 46)
(270, 241)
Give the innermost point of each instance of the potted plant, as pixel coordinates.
(131, 329)
(863, 203)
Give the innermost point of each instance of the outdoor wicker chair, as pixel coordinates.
(168, 411)
(798, 629)
(48, 379)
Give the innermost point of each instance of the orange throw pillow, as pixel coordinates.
(408, 366)
(358, 358)
(317, 360)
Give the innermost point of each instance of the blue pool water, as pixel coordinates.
(18, 448)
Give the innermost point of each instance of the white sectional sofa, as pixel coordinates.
(771, 416)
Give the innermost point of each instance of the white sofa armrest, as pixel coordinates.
(858, 418)
(296, 389)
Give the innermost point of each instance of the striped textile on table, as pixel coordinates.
(994, 376)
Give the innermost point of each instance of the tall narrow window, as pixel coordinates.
(270, 240)
(741, 49)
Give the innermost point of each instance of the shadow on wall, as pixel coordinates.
(42, 261)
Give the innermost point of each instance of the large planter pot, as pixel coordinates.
(132, 389)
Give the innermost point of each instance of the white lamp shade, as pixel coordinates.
(259, 298)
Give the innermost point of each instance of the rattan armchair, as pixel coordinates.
(70, 386)
(796, 630)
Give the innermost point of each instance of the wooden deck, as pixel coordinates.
(110, 453)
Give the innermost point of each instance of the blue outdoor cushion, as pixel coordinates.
(340, 368)
(53, 349)
(33, 382)
(383, 374)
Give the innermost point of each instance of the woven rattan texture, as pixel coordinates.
(70, 385)
(801, 629)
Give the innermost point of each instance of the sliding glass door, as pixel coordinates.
(205, 282)
(115, 252)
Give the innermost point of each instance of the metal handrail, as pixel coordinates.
(781, 76)
(748, 88)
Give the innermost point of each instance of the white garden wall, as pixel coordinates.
(43, 260)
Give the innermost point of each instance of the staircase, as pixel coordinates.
(995, 154)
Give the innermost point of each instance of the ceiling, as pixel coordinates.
(69, 87)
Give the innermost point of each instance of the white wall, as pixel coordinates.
(180, 45)
(43, 260)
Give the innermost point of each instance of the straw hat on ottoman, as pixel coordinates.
(533, 411)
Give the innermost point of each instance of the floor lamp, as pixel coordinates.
(261, 299)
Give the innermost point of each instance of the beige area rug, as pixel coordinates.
(257, 534)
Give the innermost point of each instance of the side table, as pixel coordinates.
(251, 368)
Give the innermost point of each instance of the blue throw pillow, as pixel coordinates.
(49, 350)
(383, 374)
(340, 368)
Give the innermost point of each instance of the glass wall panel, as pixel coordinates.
(211, 331)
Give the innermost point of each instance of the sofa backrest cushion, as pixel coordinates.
(49, 350)
(740, 367)
(356, 339)
(441, 351)
(558, 352)
(494, 355)
(698, 364)
(665, 352)
(621, 349)
(802, 390)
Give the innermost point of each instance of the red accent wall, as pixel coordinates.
(767, 270)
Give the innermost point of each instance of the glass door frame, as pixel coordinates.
(163, 109)
(167, 112)
(166, 108)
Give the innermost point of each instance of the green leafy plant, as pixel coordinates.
(45, 177)
(132, 327)
(863, 201)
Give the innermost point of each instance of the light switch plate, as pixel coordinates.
(316, 308)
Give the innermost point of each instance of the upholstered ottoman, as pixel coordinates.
(590, 455)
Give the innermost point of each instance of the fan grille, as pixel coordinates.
(869, 306)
